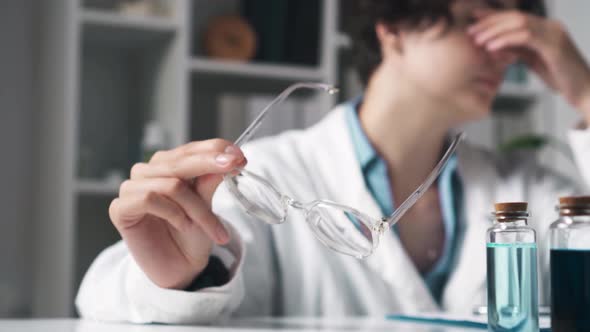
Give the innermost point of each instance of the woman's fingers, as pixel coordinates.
(205, 185)
(498, 27)
(191, 166)
(500, 30)
(126, 213)
(512, 39)
(213, 145)
(162, 188)
(179, 192)
(485, 19)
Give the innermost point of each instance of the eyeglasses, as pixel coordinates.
(339, 227)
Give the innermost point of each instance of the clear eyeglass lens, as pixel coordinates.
(343, 231)
(258, 198)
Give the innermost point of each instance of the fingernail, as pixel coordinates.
(231, 149)
(492, 46)
(222, 235)
(234, 150)
(224, 159)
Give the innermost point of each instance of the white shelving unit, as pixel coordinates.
(522, 91)
(111, 21)
(97, 187)
(115, 72)
(254, 70)
(103, 76)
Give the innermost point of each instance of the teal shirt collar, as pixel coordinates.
(365, 153)
(374, 170)
(373, 167)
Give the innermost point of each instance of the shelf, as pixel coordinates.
(516, 97)
(255, 70)
(97, 187)
(124, 30)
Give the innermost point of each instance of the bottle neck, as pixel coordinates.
(511, 222)
(574, 211)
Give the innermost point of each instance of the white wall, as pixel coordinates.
(17, 144)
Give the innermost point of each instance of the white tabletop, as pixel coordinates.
(243, 325)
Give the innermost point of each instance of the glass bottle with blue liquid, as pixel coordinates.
(512, 271)
(570, 266)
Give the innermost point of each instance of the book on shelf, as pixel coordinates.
(236, 112)
(269, 20)
(287, 30)
(282, 117)
(231, 116)
(303, 38)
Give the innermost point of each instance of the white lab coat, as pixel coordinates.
(284, 270)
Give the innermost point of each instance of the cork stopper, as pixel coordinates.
(574, 205)
(574, 201)
(509, 211)
(511, 207)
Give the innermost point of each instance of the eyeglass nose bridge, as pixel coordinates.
(294, 203)
(305, 208)
(297, 205)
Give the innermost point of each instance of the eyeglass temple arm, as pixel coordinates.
(247, 134)
(419, 192)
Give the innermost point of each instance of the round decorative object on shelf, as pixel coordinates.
(229, 37)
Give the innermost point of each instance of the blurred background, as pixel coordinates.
(88, 88)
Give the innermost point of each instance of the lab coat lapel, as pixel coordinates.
(467, 283)
(397, 269)
(341, 171)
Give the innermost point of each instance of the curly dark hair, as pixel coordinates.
(410, 13)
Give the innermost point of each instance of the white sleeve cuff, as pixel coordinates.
(151, 303)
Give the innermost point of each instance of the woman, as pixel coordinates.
(429, 66)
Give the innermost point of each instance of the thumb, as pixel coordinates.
(206, 185)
